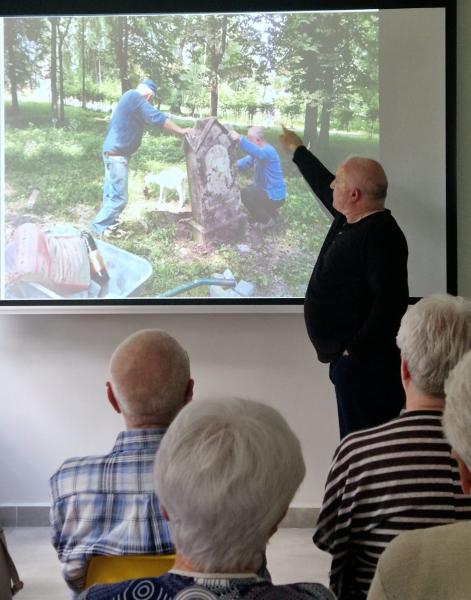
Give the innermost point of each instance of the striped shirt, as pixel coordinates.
(105, 505)
(385, 480)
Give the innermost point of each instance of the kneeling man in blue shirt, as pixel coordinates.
(132, 114)
(267, 193)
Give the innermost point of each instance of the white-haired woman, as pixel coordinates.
(225, 474)
(433, 563)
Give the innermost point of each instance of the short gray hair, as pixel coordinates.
(226, 472)
(368, 175)
(257, 132)
(149, 374)
(433, 336)
(457, 414)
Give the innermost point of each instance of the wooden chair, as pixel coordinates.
(112, 569)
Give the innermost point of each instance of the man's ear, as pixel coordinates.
(355, 195)
(112, 398)
(465, 474)
(405, 373)
(189, 390)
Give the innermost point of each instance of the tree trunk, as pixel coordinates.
(53, 21)
(11, 68)
(61, 85)
(15, 105)
(310, 124)
(11, 63)
(325, 124)
(214, 94)
(176, 107)
(122, 53)
(82, 48)
(62, 37)
(325, 112)
(126, 83)
(216, 48)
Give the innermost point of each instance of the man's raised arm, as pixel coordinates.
(317, 176)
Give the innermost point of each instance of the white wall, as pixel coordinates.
(52, 371)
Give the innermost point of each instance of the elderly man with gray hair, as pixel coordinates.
(225, 473)
(266, 195)
(106, 505)
(399, 475)
(133, 113)
(358, 289)
(433, 564)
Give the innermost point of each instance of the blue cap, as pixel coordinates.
(151, 85)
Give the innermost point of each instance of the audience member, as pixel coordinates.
(225, 473)
(400, 475)
(104, 505)
(10, 582)
(433, 564)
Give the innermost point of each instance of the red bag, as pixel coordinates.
(59, 262)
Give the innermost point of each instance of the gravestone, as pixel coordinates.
(213, 182)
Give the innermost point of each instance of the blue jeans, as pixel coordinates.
(115, 192)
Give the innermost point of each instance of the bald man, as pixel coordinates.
(266, 195)
(358, 289)
(105, 505)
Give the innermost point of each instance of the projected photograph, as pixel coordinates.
(188, 194)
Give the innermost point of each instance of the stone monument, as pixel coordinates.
(213, 181)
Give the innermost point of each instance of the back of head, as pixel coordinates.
(226, 472)
(257, 133)
(149, 374)
(367, 175)
(457, 414)
(433, 336)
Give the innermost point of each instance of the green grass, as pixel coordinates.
(65, 164)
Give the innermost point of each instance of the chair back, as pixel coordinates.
(113, 569)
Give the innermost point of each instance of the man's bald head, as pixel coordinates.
(368, 176)
(150, 377)
(256, 135)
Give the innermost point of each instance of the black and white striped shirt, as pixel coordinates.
(385, 480)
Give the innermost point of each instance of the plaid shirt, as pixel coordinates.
(106, 505)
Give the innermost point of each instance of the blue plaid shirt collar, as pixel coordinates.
(134, 439)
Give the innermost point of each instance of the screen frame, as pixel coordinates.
(293, 304)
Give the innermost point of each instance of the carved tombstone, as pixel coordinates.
(213, 182)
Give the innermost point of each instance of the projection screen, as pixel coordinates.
(368, 81)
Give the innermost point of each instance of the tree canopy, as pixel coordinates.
(317, 70)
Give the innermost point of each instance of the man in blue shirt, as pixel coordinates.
(267, 193)
(132, 114)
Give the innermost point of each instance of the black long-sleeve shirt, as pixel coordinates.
(358, 289)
